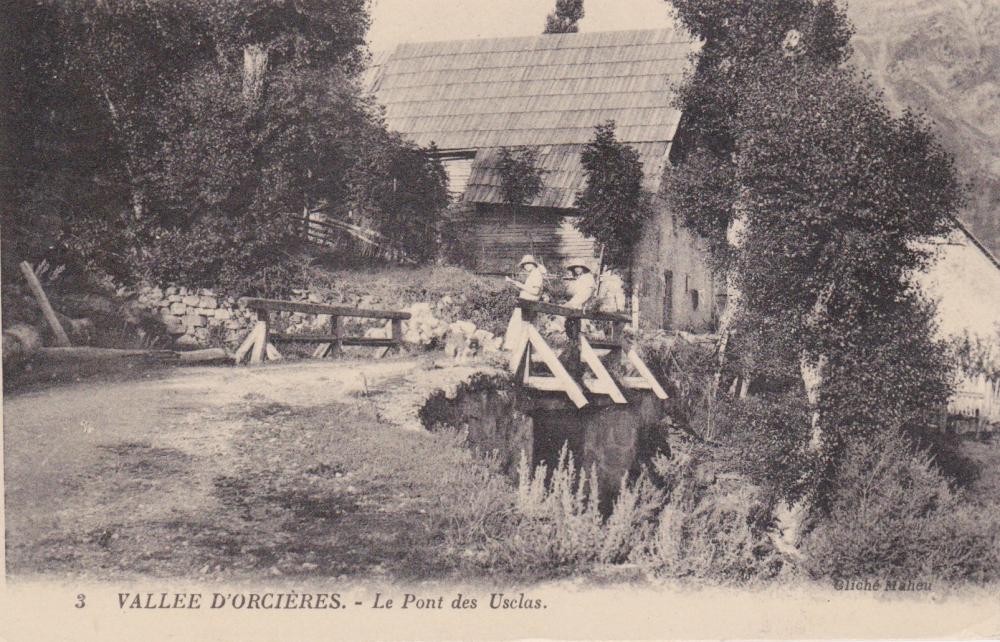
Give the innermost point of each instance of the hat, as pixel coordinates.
(527, 258)
(583, 263)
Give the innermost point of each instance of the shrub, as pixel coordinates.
(766, 438)
(550, 524)
(711, 526)
(893, 513)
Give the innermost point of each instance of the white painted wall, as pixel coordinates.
(966, 285)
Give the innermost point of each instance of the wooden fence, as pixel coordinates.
(976, 398)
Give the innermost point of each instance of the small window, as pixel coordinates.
(694, 299)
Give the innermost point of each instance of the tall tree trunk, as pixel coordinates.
(791, 518)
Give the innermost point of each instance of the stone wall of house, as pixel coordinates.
(674, 285)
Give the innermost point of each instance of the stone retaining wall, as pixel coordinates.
(197, 318)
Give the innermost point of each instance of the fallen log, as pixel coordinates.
(166, 356)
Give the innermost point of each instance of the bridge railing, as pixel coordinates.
(259, 344)
(582, 364)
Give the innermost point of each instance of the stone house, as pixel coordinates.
(472, 97)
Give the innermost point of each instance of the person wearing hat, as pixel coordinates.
(583, 285)
(530, 290)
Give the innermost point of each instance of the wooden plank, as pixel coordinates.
(604, 379)
(644, 372)
(570, 313)
(518, 353)
(318, 308)
(635, 383)
(62, 340)
(376, 342)
(321, 350)
(565, 382)
(245, 347)
(259, 343)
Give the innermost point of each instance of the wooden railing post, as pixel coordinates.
(397, 334)
(337, 330)
(571, 355)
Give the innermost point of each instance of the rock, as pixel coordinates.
(19, 342)
(468, 328)
(209, 302)
(178, 308)
(187, 341)
(194, 320)
(174, 325)
(315, 298)
(182, 291)
(192, 300)
(222, 314)
(170, 291)
(175, 298)
(81, 329)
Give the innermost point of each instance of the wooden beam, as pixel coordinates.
(272, 352)
(321, 350)
(644, 372)
(371, 342)
(605, 382)
(318, 308)
(62, 339)
(244, 348)
(259, 343)
(561, 377)
(570, 313)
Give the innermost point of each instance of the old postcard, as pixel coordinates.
(533, 319)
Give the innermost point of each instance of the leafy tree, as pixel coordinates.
(402, 189)
(816, 200)
(520, 176)
(613, 205)
(195, 131)
(565, 18)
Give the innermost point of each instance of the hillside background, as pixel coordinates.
(942, 57)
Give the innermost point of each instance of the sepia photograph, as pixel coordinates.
(516, 312)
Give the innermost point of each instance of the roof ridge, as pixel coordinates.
(540, 37)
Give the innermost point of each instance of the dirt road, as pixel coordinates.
(300, 468)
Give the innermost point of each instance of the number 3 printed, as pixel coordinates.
(81, 601)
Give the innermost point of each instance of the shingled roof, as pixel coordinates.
(544, 91)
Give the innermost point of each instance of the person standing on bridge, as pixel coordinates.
(583, 286)
(530, 290)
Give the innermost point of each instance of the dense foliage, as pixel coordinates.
(520, 176)
(565, 18)
(184, 136)
(832, 195)
(613, 204)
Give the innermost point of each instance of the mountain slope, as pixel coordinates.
(942, 58)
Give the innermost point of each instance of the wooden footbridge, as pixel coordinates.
(591, 365)
(585, 365)
(259, 344)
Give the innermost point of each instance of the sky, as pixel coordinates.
(396, 21)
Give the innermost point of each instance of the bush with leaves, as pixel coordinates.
(520, 176)
(613, 204)
(712, 527)
(893, 514)
(565, 18)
